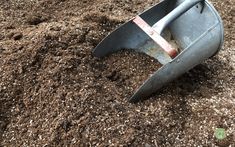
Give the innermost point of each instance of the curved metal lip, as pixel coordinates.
(221, 23)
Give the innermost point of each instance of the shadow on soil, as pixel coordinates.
(198, 83)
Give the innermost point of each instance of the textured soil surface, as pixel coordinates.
(53, 92)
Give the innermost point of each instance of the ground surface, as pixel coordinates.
(53, 92)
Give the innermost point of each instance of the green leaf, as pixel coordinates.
(220, 133)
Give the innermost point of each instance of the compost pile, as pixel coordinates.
(53, 92)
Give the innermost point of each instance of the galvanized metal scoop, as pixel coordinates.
(180, 34)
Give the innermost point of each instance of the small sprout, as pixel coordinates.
(220, 133)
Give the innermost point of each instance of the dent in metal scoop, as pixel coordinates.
(197, 30)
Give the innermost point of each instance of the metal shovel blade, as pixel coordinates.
(196, 28)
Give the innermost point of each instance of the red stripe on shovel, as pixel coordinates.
(172, 52)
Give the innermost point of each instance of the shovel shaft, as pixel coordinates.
(174, 14)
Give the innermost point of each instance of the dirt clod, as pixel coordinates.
(36, 19)
(17, 36)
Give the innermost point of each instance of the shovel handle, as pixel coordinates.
(174, 14)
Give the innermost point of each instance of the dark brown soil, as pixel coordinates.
(53, 92)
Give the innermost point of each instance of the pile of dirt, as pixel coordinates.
(54, 92)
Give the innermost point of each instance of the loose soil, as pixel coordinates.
(53, 92)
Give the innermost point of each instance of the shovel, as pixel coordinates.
(180, 34)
